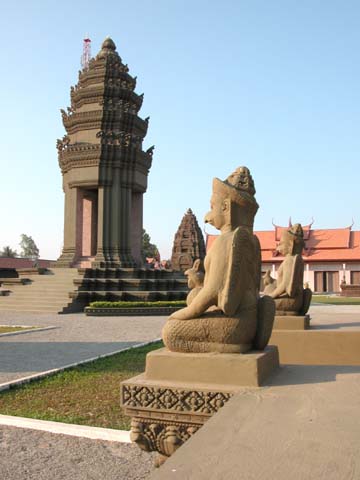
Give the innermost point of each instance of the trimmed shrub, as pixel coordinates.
(173, 303)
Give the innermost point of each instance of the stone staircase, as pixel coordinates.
(43, 293)
(67, 290)
(129, 284)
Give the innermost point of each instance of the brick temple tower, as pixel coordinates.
(188, 243)
(104, 166)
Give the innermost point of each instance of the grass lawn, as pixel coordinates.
(8, 329)
(85, 395)
(332, 300)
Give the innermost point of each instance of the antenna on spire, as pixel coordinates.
(86, 56)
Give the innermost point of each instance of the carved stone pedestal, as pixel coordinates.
(179, 392)
(291, 322)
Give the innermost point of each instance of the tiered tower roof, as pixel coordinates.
(188, 243)
(103, 116)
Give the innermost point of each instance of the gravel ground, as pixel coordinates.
(33, 455)
(76, 338)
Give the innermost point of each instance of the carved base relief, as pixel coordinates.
(163, 417)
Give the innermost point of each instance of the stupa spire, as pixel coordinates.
(108, 47)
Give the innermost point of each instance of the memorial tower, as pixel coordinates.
(104, 166)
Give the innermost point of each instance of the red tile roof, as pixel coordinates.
(321, 245)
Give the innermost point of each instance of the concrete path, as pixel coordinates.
(75, 338)
(339, 317)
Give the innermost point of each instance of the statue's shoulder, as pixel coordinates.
(241, 273)
(297, 274)
(223, 241)
(242, 237)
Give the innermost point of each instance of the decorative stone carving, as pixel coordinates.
(188, 243)
(183, 391)
(163, 418)
(227, 315)
(287, 290)
(163, 437)
(173, 399)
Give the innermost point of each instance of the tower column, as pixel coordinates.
(136, 226)
(114, 239)
(69, 250)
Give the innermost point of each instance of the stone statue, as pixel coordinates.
(227, 315)
(267, 279)
(287, 290)
(195, 276)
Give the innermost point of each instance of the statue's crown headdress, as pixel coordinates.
(296, 230)
(240, 188)
(242, 180)
(296, 234)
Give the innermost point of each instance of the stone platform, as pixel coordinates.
(317, 346)
(231, 370)
(303, 426)
(179, 392)
(291, 322)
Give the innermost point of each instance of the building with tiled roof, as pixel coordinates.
(330, 255)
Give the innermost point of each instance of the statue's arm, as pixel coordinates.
(203, 300)
(282, 282)
(296, 277)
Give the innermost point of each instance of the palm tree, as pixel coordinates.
(8, 252)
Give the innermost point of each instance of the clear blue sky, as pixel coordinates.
(270, 84)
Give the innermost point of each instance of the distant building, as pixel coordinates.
(330, 256)
(9, 262)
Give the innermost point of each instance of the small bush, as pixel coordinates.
(173, 303)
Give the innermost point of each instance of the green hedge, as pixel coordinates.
(174, 303)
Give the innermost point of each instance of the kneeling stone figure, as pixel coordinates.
(227, 315)
(287, 290)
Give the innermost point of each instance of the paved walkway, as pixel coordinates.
(78, 337)
(339, 317)
(75, 338)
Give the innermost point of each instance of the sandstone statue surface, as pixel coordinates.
(227, 314)
(287, 290)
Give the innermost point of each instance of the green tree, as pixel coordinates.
(148, 249)
(28, 247)
(8, 252)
